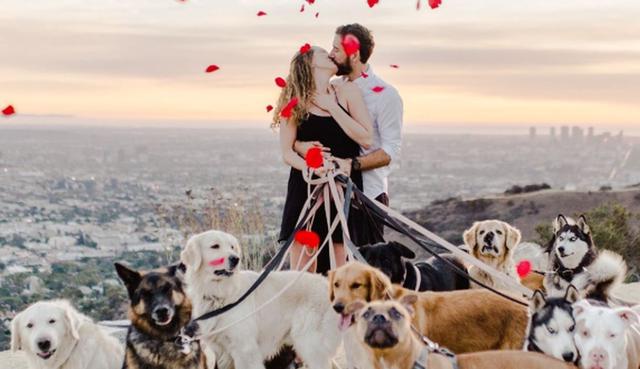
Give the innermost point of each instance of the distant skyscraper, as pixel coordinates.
(577, 134)
(532, 132)
(564, 133)
(552, 133)
(590, 133)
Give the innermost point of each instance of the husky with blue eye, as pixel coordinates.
(551, 326)
(575, 260)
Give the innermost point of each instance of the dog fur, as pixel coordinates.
(434, 274)
(384, 331)
(463, 321)
(493, 242)
(575, 260)
(300, 317)
(74, 341)
(159, 309)
(552, 326)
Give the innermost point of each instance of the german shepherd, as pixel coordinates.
(159, 310)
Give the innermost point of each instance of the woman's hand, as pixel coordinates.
(301, 147)
(344, 165)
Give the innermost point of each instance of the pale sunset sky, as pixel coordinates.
(468, 62)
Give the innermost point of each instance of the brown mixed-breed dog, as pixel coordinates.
(463, 321)
(159, 310)
(492, 242)
(383, 329)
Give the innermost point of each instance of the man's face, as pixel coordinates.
(339, 57)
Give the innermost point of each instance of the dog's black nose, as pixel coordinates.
(561, 249)
(44, 345)
(568, 357)
(339, 308)
(233, 261)
(488, 237)
(379, 319)
(161, 312)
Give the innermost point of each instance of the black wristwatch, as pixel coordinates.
(355, 164)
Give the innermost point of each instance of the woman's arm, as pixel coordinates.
(357, 123)
(288, 131)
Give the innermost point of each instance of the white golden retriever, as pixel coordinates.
(54, 335)
(301, 317)
(492, 242)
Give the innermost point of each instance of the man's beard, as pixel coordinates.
(344, 69)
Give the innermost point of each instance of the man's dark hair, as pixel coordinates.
(363, 35)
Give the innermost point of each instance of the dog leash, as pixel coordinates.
(431, 347)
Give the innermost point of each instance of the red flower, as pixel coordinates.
(281, 82)
(314, 157)
(212, 68)
(261, 13)
(269, 108)
(350, 44)
(377, 89)
(9, 110)
(308, 238)
(372, 3)
(305, 48)
(524, 268)
(434, 3)
(286, 111)
(364, 75)
(396, 66)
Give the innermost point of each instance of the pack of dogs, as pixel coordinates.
(387, 313)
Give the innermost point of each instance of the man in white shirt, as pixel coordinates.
(385, 107)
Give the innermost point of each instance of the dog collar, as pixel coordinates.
(418, 278)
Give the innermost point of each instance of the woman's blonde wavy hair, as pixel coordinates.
(300, 84)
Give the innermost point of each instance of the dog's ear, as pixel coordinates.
(402, 250)
(580, 307)
(72, 318)
(16, 338)
(628, 316)
(582, 224)
(559, 222)
(469, 237)
(354, 307)
(191, 255)
(177, 269)
(331, 276)
(409, 302)
(130, 277)
(512, 237)
(538, 301)
(364, 251)
(379, 285)
(572, 295)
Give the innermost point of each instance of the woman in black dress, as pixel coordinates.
(333, 115)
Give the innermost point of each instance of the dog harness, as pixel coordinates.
(432, 347)
(416, 288)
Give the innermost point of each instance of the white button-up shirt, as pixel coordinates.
(386, 109)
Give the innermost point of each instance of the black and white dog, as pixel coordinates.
(431, 275)
(551, 326)
(575, 260)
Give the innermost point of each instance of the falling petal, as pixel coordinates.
(305, 48)
(261, 13)
(350, 44)
(212, 68)
(281, 82)
(434, 3)
(9, 110)
(377, 89)
(396, 66)
(269, 108)
(372, 3)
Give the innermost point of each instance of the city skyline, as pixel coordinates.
(495, 63)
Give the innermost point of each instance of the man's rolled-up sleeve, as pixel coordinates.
(390, 124)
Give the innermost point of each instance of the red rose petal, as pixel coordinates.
(305, 48)
(434, 3)
(216, 262)
(418, 5)
(350, 44)
(524, 268)
(372, 3)
(269, 108)
(261, 13)
(317, 14)
(314, 157)
(396, 66)
(364, 75)
(9, 110)
(308, 238)
(281, 82)
(377, 89)
(212, 68)
(302, 8)
(286, 111)
(311, 2)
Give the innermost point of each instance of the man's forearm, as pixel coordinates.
(375, 159)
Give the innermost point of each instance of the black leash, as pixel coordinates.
(393, 223)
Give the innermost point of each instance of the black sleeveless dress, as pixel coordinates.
(330, 134)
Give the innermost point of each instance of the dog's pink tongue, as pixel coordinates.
(216, 262)
(345, 322)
